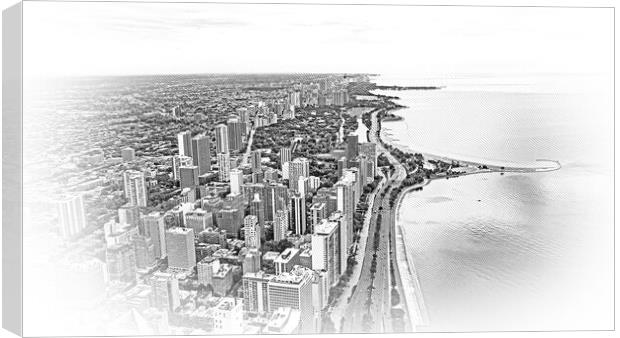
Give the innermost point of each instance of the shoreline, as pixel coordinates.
(412, 292)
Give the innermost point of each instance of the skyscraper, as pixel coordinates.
(156, 229)
(252, 230)
(235, 134)
(318, 212)
(181, 249)
(121, 263)
(223, 162)
(189, 176)
(165, 291)
(352, 147)
(135, 188)
(236, 180)
(145, 252)
(179, 161)
(294, 290)
(255, 292)
(280, 225)
(285, 155)
(201, 153)
(298, 214)
(251, 261)
(206, 268)
(71, 215)
(255, 160)
(326, 249)
(221, 139)
(257, 208)
(297, 167)
(276, 198)
(185, 143)
(287, 260)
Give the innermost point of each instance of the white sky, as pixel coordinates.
(66, 39)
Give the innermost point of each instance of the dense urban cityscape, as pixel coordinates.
(229, 204)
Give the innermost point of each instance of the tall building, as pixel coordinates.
(206, 268)
(253, 232)
(297, 167)
(280, 225)
(276, 198)
(201, 154)
(326, 249)
(185, 143)
(71, 215)
(156, 229)
(285, 155)
(198, 220)
(165, 291)
(144, 251)
(318, 212)
(181, 248)
(236, 180)
(255, 159)
(346, 204)
(128, 154)
(235, 134)
(298, 214)
(179, 161)
(255, 292)
(369, 149)
(135, 188)
(343, 247)
(221, 139)
(294, 290)
(130, 214)
(229, 219)
(341, 165)
(303, 185)
(287, 260)
(257, 208)
(223, 162)
(189, 176)
(252, 261)
(352, 147)
(228, 316)
(121, 263)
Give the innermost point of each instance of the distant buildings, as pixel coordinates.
(135, 188)
(255, 160)
(352, 147)
(128, 154)
(181, 249)
(71, 215)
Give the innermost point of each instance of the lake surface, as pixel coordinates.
(518, 251)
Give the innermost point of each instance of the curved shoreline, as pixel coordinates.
(414, 299)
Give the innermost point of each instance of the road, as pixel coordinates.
(248, 149)
(376, 317)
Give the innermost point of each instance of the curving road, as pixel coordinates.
(375, 317)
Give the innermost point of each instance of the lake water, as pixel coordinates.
(518, 251)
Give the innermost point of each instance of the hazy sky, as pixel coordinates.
(159, 38)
